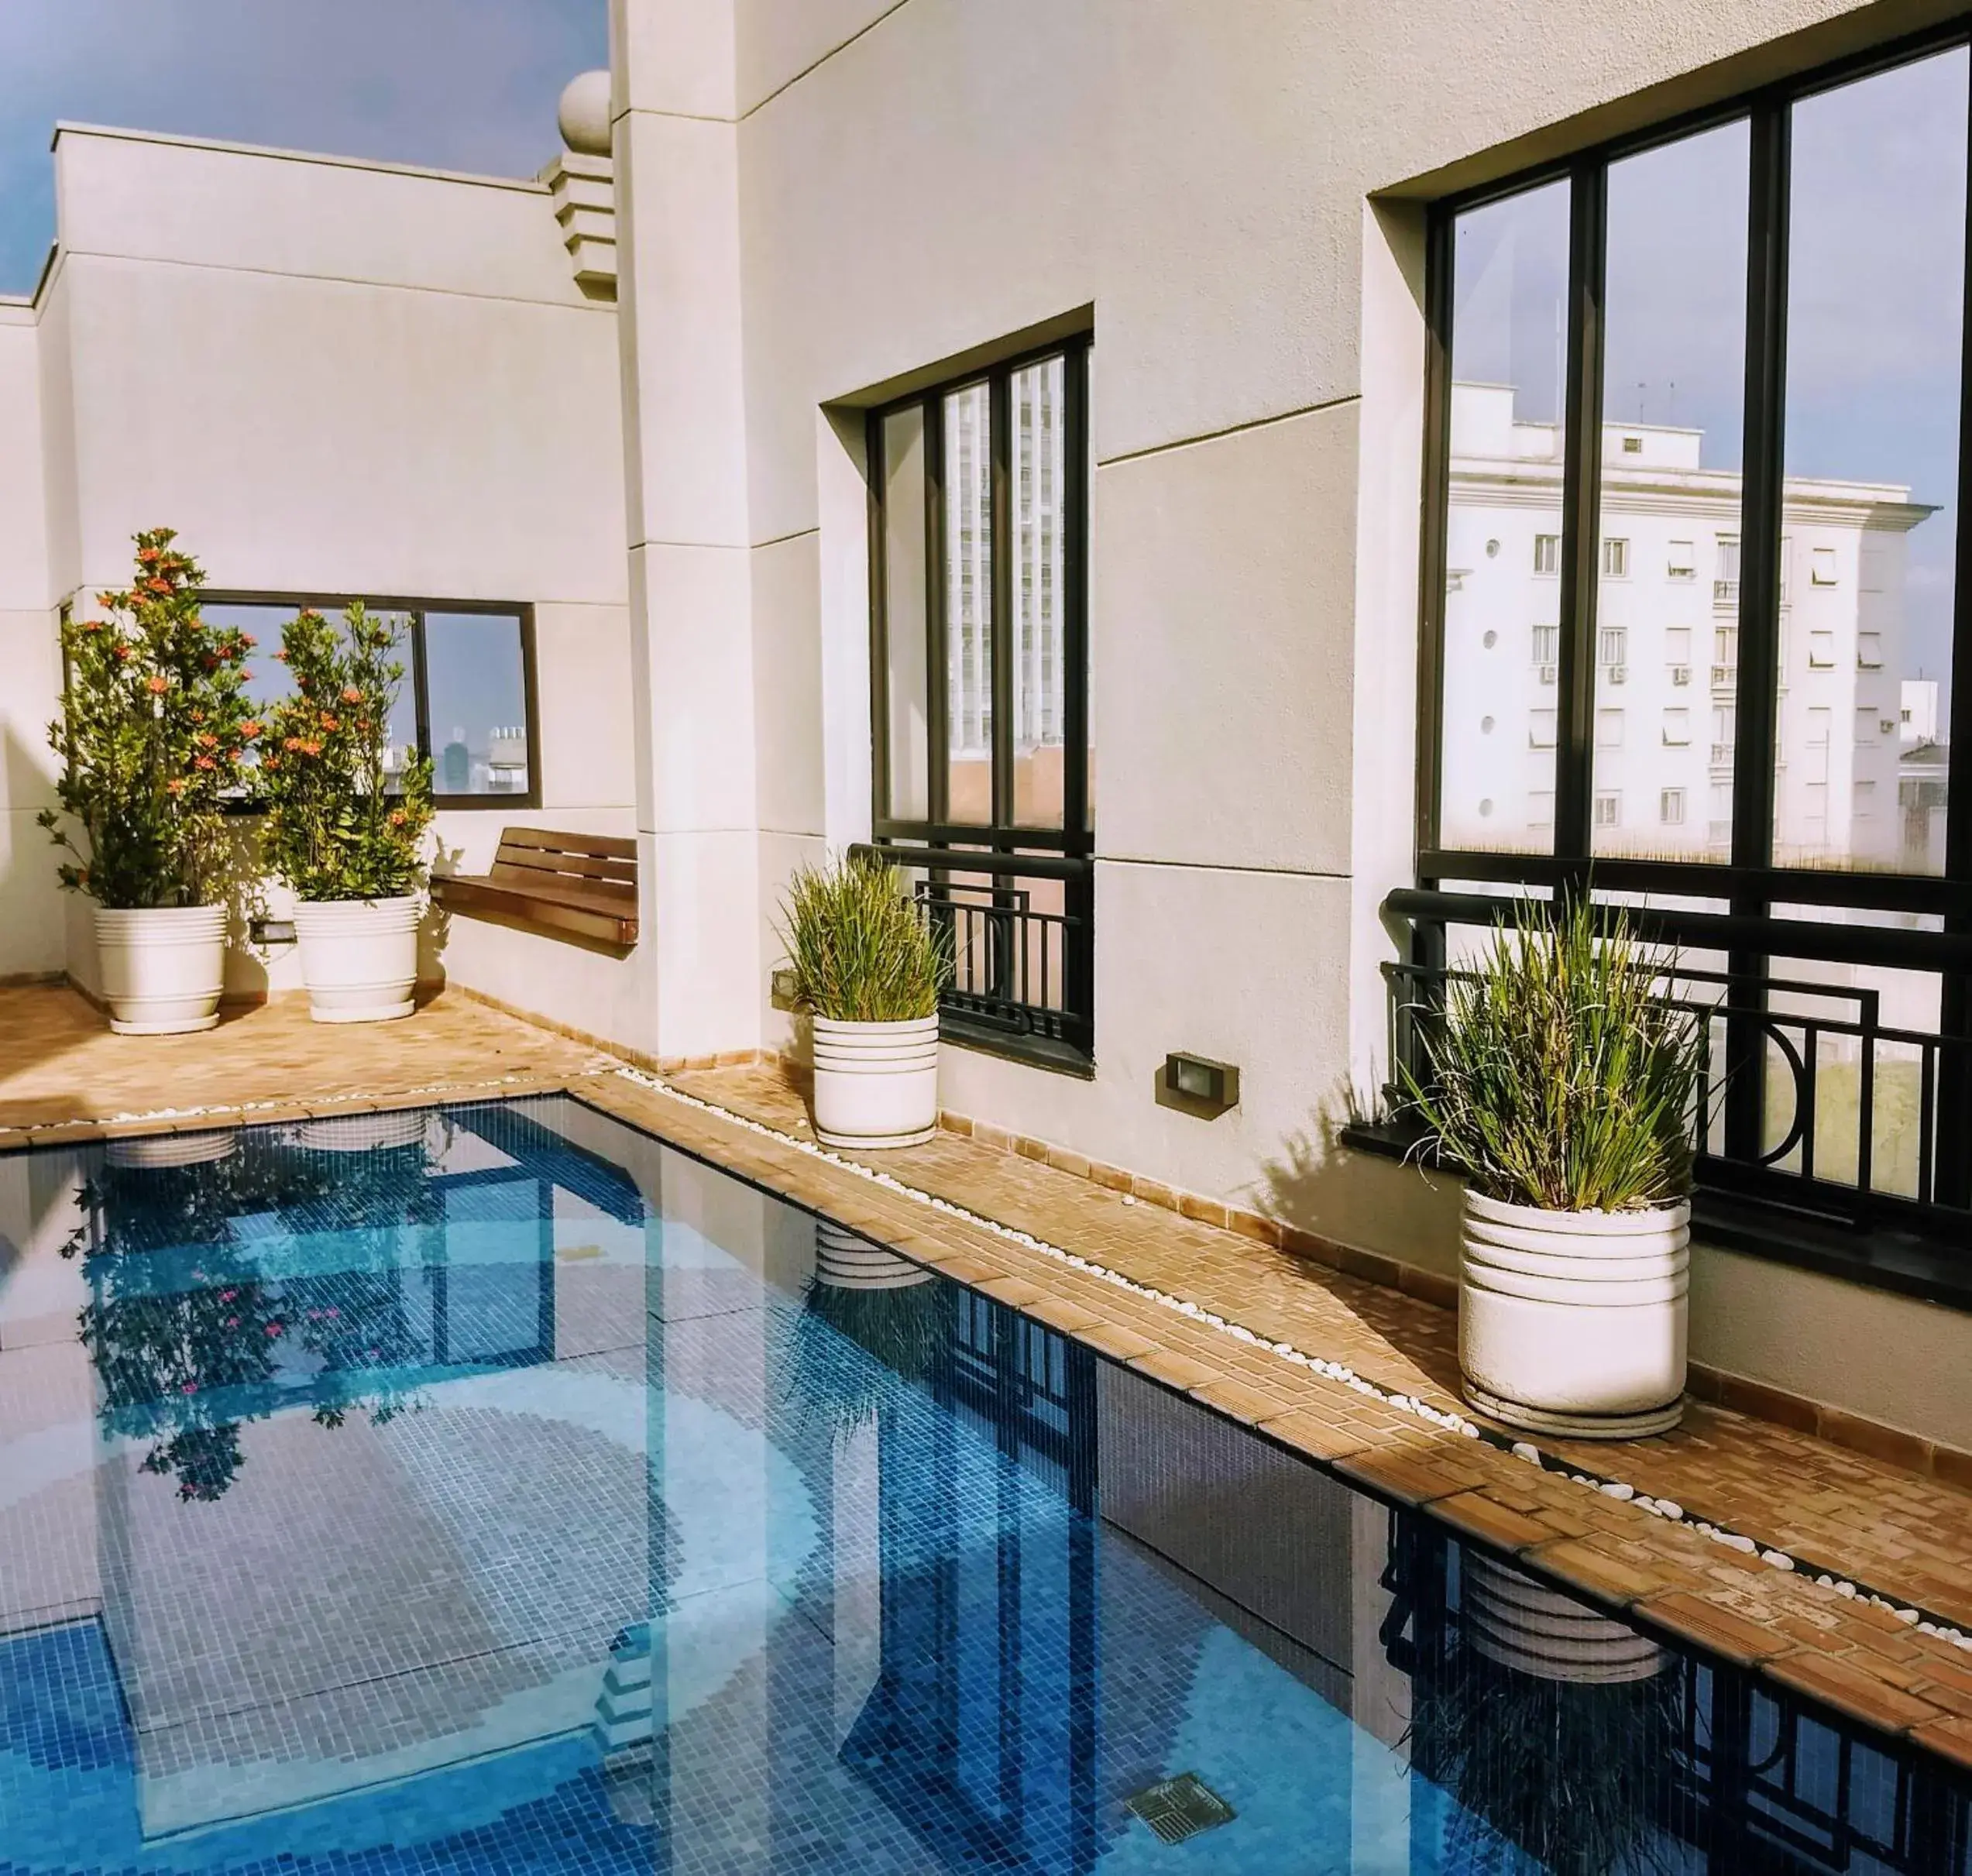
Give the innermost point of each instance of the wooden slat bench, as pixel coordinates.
(581, 883)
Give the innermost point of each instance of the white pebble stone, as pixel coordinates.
(1847, 1590)
(1470, 1430)
(1129, 1198)
(1523, 1450)
(1615, 1487)
(1906, 1616)
(1670, 1508)
(1778, 1560)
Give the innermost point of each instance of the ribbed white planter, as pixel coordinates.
(1524, 1625)
(359, 958)
(846, 1260)
(162, 968)
(1574, 1322)
(876, 1084)
(161, 1149)
(357, 1133)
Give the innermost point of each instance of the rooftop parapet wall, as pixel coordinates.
(142, 196)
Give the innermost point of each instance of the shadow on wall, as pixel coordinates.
(1317, 1183)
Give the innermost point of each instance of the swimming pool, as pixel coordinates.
(497, 1490)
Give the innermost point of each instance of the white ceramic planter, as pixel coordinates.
(164, 1150)
(358, 957)
(846, 1260)
(162, 968)
(876, 1084)
(1526, 1625)
(1574, 1322)
(357, 1133)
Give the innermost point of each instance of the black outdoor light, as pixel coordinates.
(1199, 1085)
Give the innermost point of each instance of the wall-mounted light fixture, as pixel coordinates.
(271, 931)
(784, 990)
(1199, 1085)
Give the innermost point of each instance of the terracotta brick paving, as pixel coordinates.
(1907, 1535)
(60, 1066)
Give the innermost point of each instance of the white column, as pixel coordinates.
(676, 157)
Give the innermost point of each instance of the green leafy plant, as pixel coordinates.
(342, 822)
(154, 728)
(860, 949)
(850, 1347)
(1559, 1074)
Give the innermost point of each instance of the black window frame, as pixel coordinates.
(1048, 1034)
(521, 612)
(1750, 883)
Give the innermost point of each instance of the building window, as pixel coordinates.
(981, 768)
(1783, 251)
(1547, 644)
(1609, 729)
(467, 698)
(1546, 553)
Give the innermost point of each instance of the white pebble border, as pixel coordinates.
(1921, 1620)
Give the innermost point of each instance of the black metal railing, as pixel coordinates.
(1819, 1097)
(1020, 931)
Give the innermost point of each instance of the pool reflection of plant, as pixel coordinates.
(199, 1348)
(854, 1340)
(1551, 1775)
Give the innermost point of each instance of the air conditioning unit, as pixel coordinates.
(1681, 673)
(1619, 674)
(1547, 674)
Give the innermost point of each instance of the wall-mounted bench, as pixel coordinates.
(585, 884)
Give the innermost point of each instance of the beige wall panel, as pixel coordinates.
(148, 197)
(582, 656)
(700, 687)
(788, 704)
(673, 56)
(677, 229)
(24, 580)
(780, 854)
(311, 433)
(779, 39)
(704, 970)
(1221, 684)
(33, 920)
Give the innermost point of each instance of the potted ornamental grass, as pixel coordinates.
(869, 969)
(347, 815)
(154, 728)
(1564, 1085)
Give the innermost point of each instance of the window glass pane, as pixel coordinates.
(1876, 277)
(969, 604)
(905, 631)
(478, 713)
(1674, 371)
(1040, 661)
(269, 681)
(1508, 334)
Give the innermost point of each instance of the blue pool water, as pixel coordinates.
(497, 1490)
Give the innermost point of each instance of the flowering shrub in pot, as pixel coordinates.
(869, 970)
(1563, 1084)
(154, 728)
(345, 823)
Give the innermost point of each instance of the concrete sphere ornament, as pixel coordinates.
(585, 115)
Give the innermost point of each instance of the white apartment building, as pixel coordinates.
(1667, 651)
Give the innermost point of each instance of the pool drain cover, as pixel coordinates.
(1180, 1808)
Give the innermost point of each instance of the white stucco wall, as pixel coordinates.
(914, 181)
(349, 378)
(31, 941)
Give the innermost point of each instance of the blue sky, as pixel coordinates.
(464, 84)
